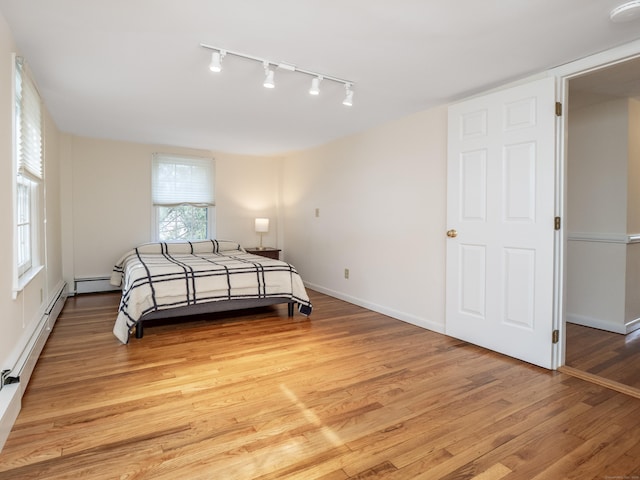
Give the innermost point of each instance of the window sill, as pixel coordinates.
(26, 279)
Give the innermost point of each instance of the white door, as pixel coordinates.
(500, 214)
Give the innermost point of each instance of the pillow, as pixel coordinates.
(204, 246)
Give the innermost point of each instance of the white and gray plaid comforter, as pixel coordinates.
(160, 276)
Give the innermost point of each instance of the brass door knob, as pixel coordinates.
(452, 234)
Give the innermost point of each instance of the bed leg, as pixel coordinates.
(290, 308)
(139, 330)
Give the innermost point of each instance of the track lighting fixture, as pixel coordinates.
(268, 78)
(216, 61)
(348, 97)
(315, 85)
(218, 54)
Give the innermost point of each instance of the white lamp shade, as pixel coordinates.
(262, 225)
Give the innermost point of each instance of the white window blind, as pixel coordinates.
(179, 180)
(28, 124)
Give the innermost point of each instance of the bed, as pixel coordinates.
(162, 280)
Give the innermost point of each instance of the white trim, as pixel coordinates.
(598, 61)
(93, 285)
(628, 327)
(10, 404)
(622, 238)
(26, 279)
(595, 323)
(398, 315)
(563, 74)
(632, 325)
(15, 276)
(24, 361)
(31, 343)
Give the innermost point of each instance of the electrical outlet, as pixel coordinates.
(346, 273)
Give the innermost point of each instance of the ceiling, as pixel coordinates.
(620, 80)
(135, 71)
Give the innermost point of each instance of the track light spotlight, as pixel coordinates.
(216, 61)
(268, 79)
(315, 85)
(348, 98)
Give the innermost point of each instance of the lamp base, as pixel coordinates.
(261, 248)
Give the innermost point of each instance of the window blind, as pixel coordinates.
(28, 124)
(178, 180)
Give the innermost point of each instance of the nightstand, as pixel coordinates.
(265, 252)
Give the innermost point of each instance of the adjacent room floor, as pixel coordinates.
(609, 355)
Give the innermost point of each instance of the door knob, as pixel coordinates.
(452, 234)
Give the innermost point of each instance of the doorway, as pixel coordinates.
(602, 211)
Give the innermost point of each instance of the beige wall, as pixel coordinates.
(597, 168)
(21, 315)
(603, 209)
(11, 319)
(633, 174)
(108, 201)
(381, 197)
(380, 194)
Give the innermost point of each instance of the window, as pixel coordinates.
(28, 150)
(24, 196)
(182, 195)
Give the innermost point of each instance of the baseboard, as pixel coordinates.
(596, 323)
(398, 315)
(632, 326)
(10, 404)
(11, 393)
(93, 285)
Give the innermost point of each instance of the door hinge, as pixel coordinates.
(555, 336)
(557, 223)
(558, 109)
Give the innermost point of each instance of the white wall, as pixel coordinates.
(381, 197)
(107, 204)
(603, 205)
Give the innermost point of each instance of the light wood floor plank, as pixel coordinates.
(344, 394)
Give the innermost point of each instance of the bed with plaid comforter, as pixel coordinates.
(161, 276)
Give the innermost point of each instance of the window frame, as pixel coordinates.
(156, 205)
(28, 175)
(25, 193)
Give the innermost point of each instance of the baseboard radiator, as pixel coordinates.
(92, 285)
(14, 380)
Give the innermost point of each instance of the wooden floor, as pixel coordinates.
(345, 394)
(609, 355)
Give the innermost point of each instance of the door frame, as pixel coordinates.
(563, 74)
